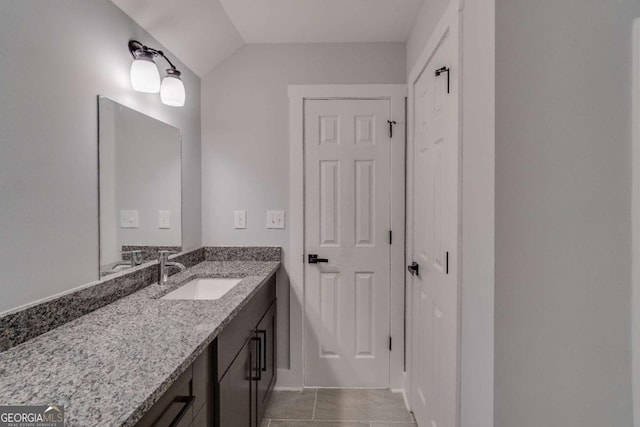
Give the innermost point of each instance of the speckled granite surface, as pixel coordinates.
(149, 253)
(28, 322)
(110, 366)
(243, 253)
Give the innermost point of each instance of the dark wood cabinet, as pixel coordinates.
(186, 397)
(234, 391)
(230, 384)
(246, 362)
(201, 419)
(245, 387)
(266, 380)
(203, 389)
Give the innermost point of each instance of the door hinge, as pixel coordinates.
(389, 343)
(447, 263)
(444, 70)
(391, 123)
(390, 237)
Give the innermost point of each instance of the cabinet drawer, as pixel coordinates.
(186, 397)
(175, 407)
(242, 327)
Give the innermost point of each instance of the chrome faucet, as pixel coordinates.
(165, 264)
(135, 259)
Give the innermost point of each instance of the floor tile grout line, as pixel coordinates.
(359, 421)
(343, 420)
(315, 403)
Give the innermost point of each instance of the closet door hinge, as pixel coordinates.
(391, 123)
(390, 237)
(447, 263)
(442, 70)
(389, 343)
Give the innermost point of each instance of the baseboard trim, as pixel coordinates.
(277, 388)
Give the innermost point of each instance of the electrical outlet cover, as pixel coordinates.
(129, 219)
(275, 219)
(240, 220)
(164, 219)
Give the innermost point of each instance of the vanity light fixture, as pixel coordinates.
(145, 76)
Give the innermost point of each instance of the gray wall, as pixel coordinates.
(426, 21)
(563, 226)
(245, 134)
(148, 170)
(55, 57)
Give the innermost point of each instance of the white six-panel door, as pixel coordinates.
(347, 220)
(435, 201)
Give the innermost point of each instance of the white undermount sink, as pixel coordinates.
(205, 288)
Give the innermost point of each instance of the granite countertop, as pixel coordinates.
(110, 366)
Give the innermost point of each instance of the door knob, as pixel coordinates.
(414, 268)
(313, 259)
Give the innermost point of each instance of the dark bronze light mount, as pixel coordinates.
(146, 78)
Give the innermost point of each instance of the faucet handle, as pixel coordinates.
(135, 257)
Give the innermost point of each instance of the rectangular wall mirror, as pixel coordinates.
(140, 168)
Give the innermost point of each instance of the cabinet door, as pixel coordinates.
(236, 389)
(266, 332)
(242, 327)
(202, 385)
(200, 420)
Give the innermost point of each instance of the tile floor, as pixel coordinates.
(337, 408)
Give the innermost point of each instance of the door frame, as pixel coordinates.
(635, 225)
(451, 20)
(293, 378)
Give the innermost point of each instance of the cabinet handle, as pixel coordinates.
(259, 347)
(264, 349)
(187, 401)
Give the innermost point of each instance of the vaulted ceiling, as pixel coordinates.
(203, 33)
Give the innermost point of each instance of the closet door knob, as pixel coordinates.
(414, 268)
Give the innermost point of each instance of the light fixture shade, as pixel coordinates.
(144, 75)
(172, 90)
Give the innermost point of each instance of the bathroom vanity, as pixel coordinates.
(143, 360)
(137, 347)
(230, 383)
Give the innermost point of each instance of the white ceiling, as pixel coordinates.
(322, 21)
(203, 33)
(199, 32)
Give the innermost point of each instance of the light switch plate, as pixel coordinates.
(275, 219)
(129, 219)
(240, 220)
(164, 219)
